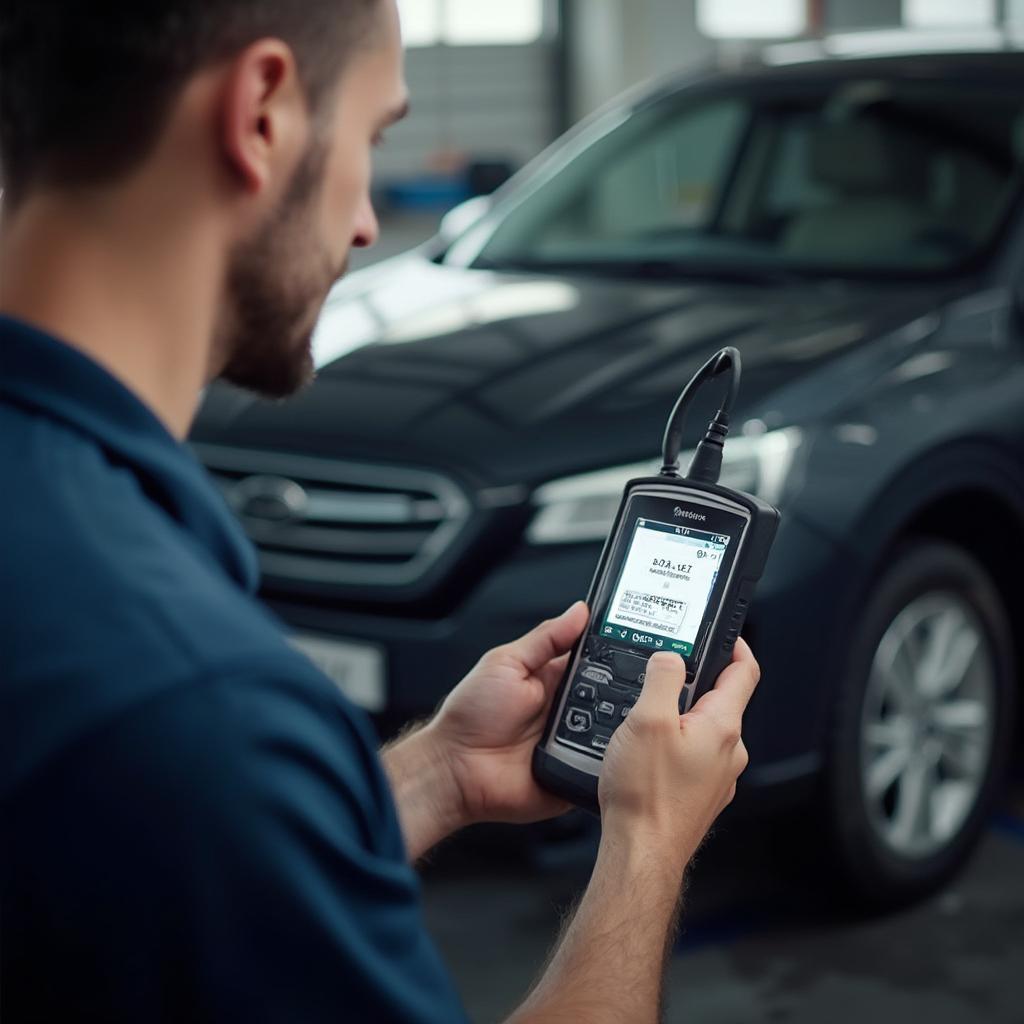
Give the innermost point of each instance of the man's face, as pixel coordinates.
(278, 280)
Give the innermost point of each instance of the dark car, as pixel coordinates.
(855, 228)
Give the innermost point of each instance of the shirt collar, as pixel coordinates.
(39, 372)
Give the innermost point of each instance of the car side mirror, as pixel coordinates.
(462, 217)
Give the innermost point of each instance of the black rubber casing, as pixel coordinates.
(580, 787)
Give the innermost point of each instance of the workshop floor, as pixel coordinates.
(759, 943)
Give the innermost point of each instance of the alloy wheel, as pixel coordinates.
(927, 724)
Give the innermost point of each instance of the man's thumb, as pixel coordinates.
(663, 682)
(551, 639)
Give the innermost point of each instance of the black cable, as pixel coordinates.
(706, 465)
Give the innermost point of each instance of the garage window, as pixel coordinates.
(470, 22)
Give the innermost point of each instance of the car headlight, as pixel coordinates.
(582, 507)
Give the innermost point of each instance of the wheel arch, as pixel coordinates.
(937, 530)
(944, 495)
(999, 549)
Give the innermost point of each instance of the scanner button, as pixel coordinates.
(628, 667)
(578, 720)
(606, 709)
(599, 741)
(596, 674)
(616, 693)
(583, 692)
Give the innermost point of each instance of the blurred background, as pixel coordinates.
(493, 87)
(589, 198)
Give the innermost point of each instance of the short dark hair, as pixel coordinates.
(85, 88)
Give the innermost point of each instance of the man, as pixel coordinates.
(195, 824)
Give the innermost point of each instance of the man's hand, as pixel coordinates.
(490, 723)
(471, 762)
(668, 775)
(665, 778)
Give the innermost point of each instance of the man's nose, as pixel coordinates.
(367, 230)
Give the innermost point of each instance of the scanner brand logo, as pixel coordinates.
(685, 513)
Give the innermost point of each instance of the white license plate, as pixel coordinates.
(357, 669)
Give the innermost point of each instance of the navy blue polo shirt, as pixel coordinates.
(194, 824)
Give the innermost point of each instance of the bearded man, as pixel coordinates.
(195, 825)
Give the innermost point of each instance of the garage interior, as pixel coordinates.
(590, 203)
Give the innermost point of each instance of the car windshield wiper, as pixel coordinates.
(651, 269)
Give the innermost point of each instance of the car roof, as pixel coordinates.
(808, 62)
(994, 64)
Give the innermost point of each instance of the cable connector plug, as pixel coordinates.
(706, 465)
(707, 460)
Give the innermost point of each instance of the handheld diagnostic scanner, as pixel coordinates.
(677, 573)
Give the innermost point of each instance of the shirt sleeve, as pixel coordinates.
(251, 862)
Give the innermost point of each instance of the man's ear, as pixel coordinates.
(264, 124)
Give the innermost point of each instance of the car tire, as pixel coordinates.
(897, 841)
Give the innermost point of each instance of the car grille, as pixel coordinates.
(317, 520)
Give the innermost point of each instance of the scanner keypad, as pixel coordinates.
(604, 688)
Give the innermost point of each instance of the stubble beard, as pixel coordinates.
(275, 287)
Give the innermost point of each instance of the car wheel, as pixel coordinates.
(922, 725)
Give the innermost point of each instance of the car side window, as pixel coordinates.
(890, 181)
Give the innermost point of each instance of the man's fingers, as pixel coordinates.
(735, 686)
(551, 673)
(663, 682)
(550, 639)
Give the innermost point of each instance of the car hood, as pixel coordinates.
(505, 378)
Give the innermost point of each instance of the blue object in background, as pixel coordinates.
(428, 192)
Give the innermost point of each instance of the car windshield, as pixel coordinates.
(860, 177)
